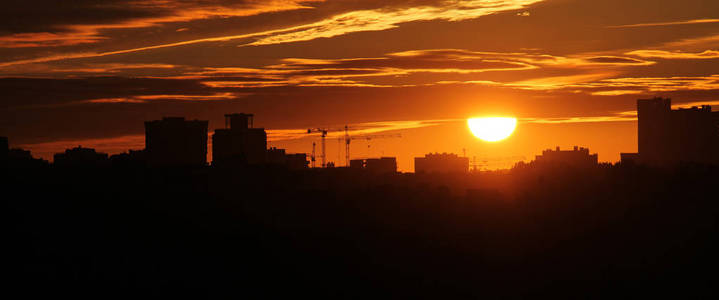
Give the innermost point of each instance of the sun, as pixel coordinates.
(492, 129)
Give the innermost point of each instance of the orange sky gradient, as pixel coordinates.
(90, 73)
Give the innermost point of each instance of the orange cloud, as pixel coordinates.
(89, 69)
(602, 85)
(46, 39)
(595, 119)
(365, 72)
(146, 98)
(705, 42)
(444, 65)
(708, 54)
(660, 84)
(385, 18)
(216, 96)
(531, 59)
(686, 22)
(180, 11)
(557, 82)
(113, 100)
(355, 21)
(617, 92)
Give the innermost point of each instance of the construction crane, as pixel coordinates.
(347, 138)
(323, 135)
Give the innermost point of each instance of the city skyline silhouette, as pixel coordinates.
(666, 137)
(331, 149)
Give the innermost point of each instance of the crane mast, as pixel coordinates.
(312, 158)
(323, 135)
(347, 146)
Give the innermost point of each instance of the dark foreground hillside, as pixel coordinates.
(265, 233)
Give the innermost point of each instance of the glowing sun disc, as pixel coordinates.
(492, 129)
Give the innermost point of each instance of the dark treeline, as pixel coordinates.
(612, 231)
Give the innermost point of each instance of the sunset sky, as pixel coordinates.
(89, 72)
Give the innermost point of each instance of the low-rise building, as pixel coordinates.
(441, 163)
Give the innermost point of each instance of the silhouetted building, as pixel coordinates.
(4, 146)
(176, 142)
(21, 158)
(577, 157)
(19, 154)
(441, 163)
(357, 164)
(629, 158)
(239, 142)
(297, 161)
(4, 150)
(381, 165)
(278, 157)
(669, 136)
(80, 157)
(131, 158)
(376, 165)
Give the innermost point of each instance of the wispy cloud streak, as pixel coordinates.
(143, 14)
(355, 21)
(708, 54)
(384, 19)
(685, 22)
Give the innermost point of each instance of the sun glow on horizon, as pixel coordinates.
(492, 129)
